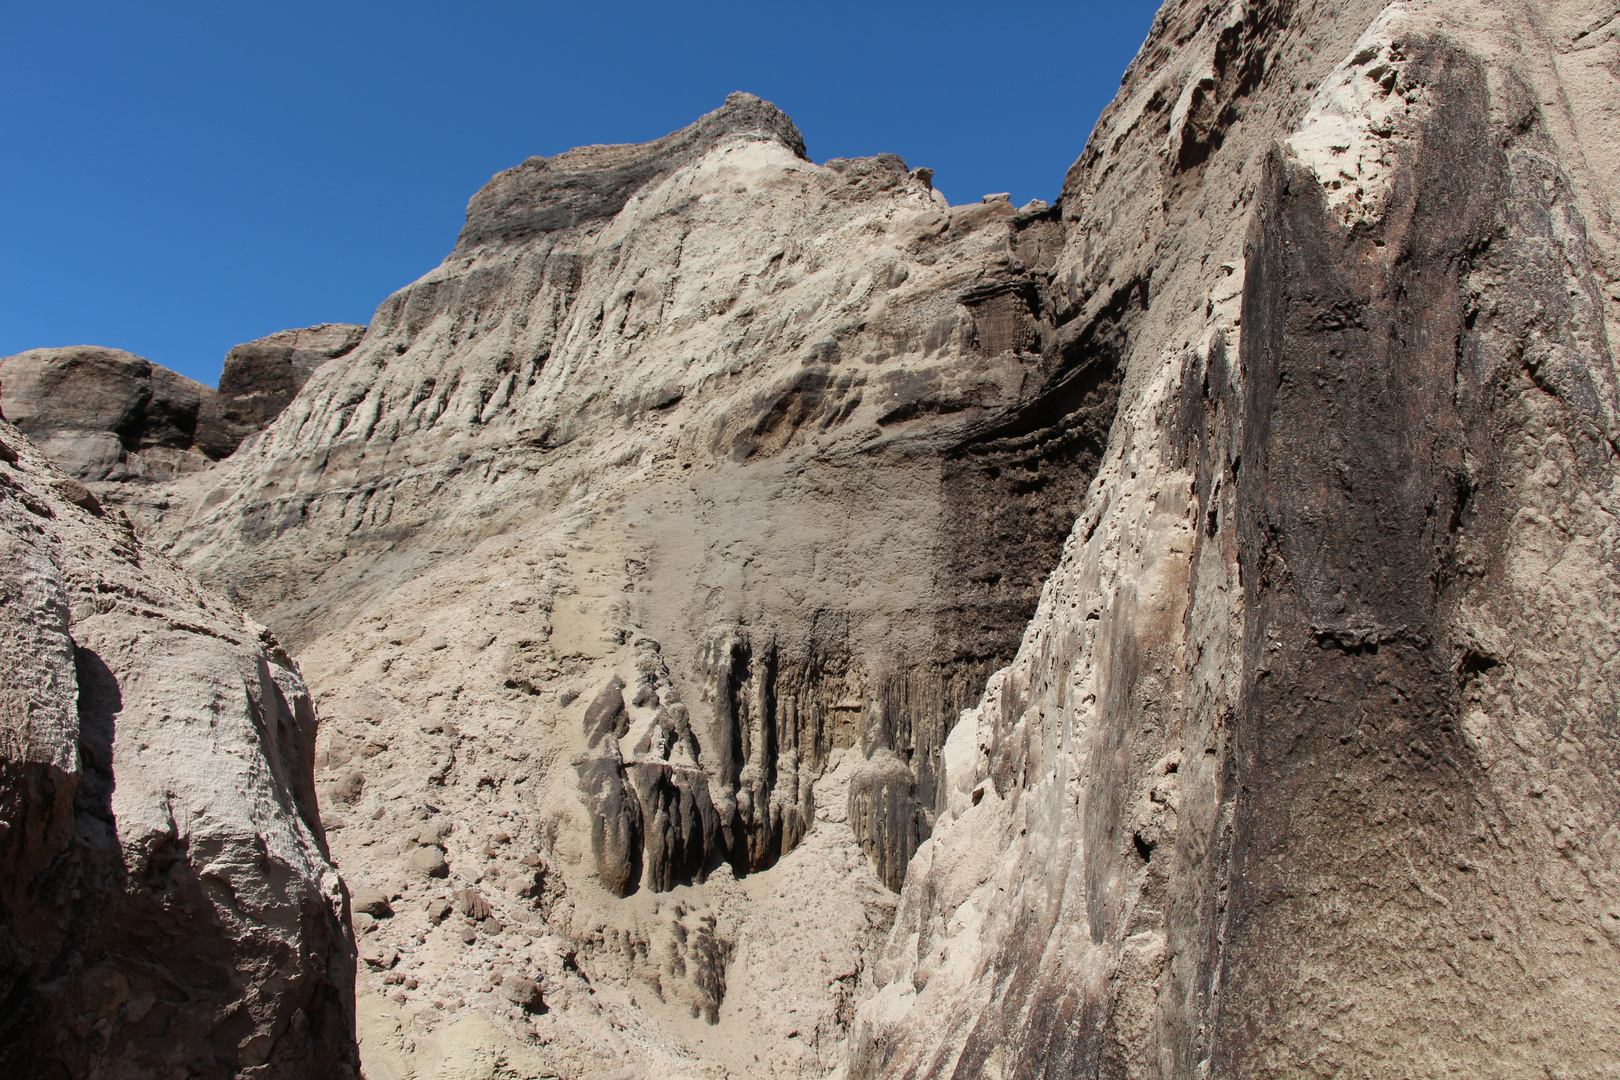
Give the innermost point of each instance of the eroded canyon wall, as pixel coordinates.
(1307, 765)
(696, 473)
(167, 906)
(643, 555)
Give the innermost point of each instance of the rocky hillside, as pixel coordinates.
(167, 904)
(696, 474)
(769, 622)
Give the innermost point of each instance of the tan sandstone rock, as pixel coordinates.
(644, 554)
(167, 906)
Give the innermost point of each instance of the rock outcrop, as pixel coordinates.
(122, 424)
(105, 415)
(260, 377)
(167, 906)
(644, 554)
(1307, 764)
(783, 449)
(859, 420)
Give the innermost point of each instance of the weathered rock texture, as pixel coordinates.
(167, 907)
(644, 553)
(784, 449)
(261, 377)
(120, 423)
(107, 415)
(829, 386)
(1307, 764)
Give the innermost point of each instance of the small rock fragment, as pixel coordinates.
(472, 904)
(524, 993)
(378, 955)
(77, 494)
(347, 788)
(429, 861)
(373, 903)
(434, 832)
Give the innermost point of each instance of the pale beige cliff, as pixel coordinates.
(1253, 508)
(771, 444)
(167, 907)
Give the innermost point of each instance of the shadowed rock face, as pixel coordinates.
(166, 902)
(261, 377)
(1299, 713)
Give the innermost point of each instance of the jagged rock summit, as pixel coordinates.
(594, 182)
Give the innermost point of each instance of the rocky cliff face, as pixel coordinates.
(1306, 766)
(696, 475)
(643, 556)
(105, 415)
(858, 442)
(167, 906)
(260, 377)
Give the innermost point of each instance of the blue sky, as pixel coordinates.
(180, 177)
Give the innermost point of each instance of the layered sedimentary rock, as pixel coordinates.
(167, 906)
(820, 378)
(780, 453)
(1307, 763)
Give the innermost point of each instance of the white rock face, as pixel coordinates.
(166, 903)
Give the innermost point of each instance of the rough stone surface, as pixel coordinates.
(122, 424)
(1307, 764)
(645, 553)
(167, 906)
(866, 458)
(260, 377)
(774, 447)
(105, 415)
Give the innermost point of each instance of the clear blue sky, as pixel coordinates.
(180, 177)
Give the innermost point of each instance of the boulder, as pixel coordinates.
(165, 890)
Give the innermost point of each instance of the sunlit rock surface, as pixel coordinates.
(167, 905)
